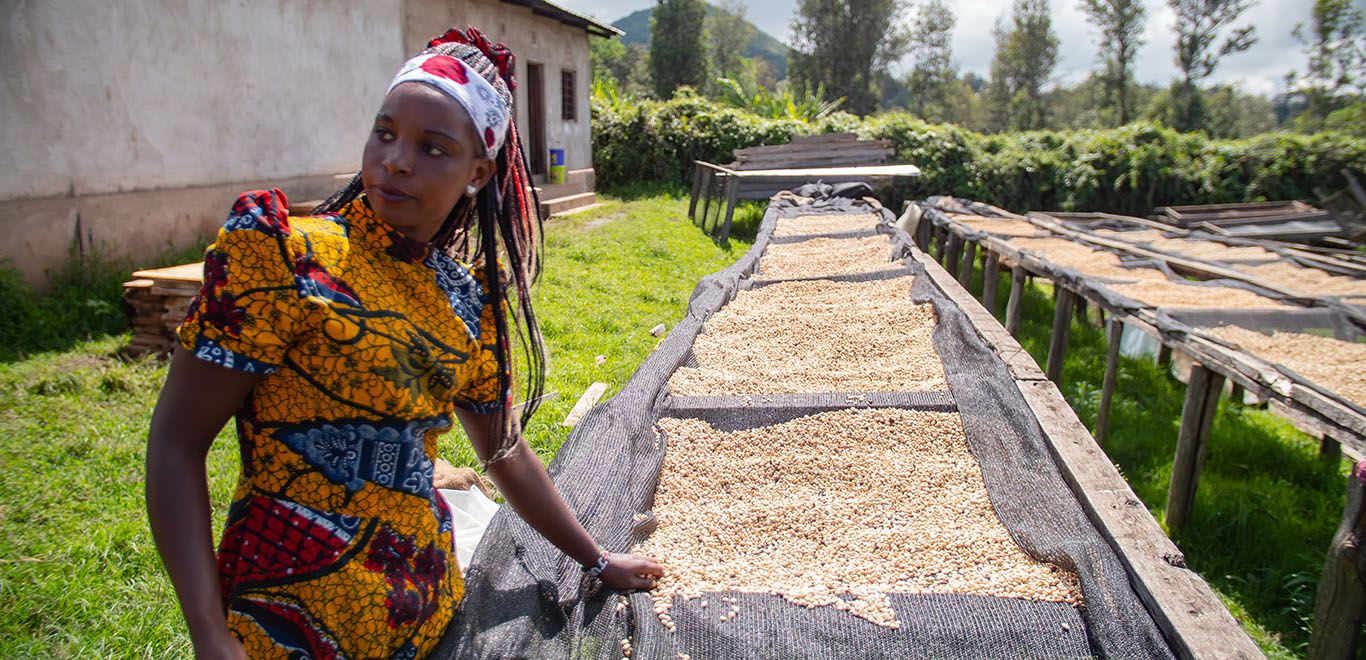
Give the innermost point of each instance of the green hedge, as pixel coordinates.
(1130, 169)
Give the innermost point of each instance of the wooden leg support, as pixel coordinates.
(1197, 416)
(967, 263)
(924, 233)
(952, 254)
(707, 177)
(1107, 387)
(1341, 602)
(696, 189)
(720, 189)
(991, 273)
(1062, 324)
(1017, 280)
(1164, 356)
(1330, 450)
(732, 196)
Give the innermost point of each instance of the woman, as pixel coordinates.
(343, 342)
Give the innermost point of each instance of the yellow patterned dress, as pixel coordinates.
(336, 545)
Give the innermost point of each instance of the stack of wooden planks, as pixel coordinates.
(156, 303)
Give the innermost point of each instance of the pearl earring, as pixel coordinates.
(470, 190)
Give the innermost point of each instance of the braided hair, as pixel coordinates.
(501, 222)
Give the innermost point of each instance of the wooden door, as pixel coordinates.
(535, 113)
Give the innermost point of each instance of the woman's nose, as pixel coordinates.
(397, 160)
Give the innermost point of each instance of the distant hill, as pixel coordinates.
(763, 45)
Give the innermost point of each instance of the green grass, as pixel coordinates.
(79, 575)
(1267, 504)
(83, 301)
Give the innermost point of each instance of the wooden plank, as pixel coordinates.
(584, 404)
(1062, 326)
(1336, 411)
(1191, 617)
(823, 137)
(1107, 387)
(872, 170)
(966, 264)
(801, 151)
(183, 273)
(993, 273)
(1341, 601)
(791, 152)
(1017, 279)
(1197, 415)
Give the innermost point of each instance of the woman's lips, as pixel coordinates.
(391, 194)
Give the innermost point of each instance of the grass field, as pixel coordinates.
(79, 575)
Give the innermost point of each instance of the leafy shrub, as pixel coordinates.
(1129, 169)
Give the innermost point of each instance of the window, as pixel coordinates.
(567, 106)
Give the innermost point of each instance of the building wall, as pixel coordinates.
(532, 38)
(140, 120)
(130, 126)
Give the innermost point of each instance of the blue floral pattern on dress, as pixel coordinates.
(210, 351)
(461, 289)
(353, 454)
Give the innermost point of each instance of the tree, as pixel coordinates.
(845, 46)
(1337, 58)
(1121, 28)
(623, 64)
(1198, 24)
(677, 54)
(1026, 53)
(932, 51)
(727, 35)
(1233, 113)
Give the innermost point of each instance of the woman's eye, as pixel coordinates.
(383, 134)
(433, 150)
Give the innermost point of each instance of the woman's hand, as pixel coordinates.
(626, 572)
(222, 647)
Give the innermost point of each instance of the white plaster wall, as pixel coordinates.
(532, 38)
(103, 96)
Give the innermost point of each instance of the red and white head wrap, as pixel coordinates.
(452, 76)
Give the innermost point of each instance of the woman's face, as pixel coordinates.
(421, 155)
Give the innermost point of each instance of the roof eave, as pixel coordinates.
(568, 17)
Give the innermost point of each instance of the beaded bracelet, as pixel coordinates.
(598, 567)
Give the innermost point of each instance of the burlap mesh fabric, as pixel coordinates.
(524, 598)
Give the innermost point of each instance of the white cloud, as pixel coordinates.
(1260, 69)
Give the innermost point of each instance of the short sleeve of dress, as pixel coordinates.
(248, 310)
(480, 391)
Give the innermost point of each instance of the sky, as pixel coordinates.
(1260, 70)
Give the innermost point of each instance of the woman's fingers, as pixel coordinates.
(643, 566)
(642, 583)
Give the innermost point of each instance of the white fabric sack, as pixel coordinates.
(471, 512)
